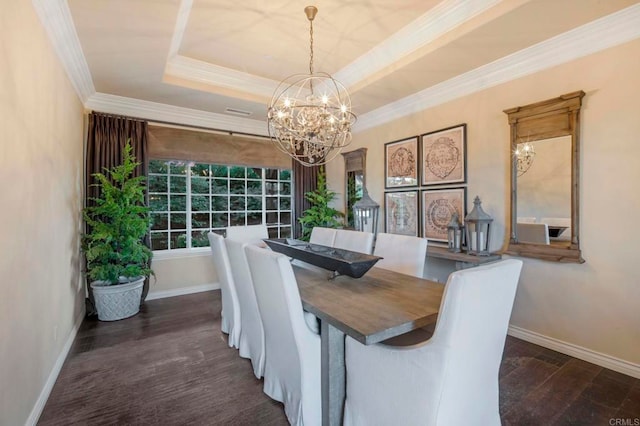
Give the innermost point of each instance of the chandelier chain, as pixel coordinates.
(311, 53)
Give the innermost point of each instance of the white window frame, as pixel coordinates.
(190, 251)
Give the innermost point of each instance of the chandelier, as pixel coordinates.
(524, 157)
(310, 115)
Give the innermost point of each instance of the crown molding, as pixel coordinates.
(189, 69)
(425, 29)
(114, 104)
(55, 17)
(204, 72)
(601, 34)
(181, 25)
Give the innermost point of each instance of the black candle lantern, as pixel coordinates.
(478, 224)
(454, 234)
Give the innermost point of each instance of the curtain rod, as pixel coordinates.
(191, 126)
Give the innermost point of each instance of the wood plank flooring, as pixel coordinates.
(170, 365)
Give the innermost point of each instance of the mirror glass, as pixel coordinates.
(544, 191)
(545, 153)
(354, 169)
(355, 186)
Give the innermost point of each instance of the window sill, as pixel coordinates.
(181, 253)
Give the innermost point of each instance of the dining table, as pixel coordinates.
(378, 306)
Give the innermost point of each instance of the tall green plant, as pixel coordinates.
(118, 223)
(319, 214)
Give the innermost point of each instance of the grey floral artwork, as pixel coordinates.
(401, 209)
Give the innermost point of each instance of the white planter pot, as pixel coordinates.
(119, 301)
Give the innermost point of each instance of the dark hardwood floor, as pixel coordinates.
(170, 365)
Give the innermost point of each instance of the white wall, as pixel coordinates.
(41, 145)
(593, 305)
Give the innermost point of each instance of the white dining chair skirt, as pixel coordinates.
(292, 364)
(230, 322)
(251, 342)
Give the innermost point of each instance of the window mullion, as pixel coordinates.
(188, 203)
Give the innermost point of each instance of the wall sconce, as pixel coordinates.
(478, 224)
(365, 210)
(454, 234)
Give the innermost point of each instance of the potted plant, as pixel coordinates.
(319, 214)
(117, 258)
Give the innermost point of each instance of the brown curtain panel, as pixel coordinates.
(106, 139)
(305, 179)
(107, 136)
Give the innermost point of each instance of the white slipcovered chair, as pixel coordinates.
(359, 241)
(251, 342)
(323, 236)
(452, 379)
(535, 233)
(292, 367)
(401, 253)
(230, 322)
(248, 234)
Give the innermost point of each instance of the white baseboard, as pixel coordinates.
(53, 375)
(603, 360)
(182, 291)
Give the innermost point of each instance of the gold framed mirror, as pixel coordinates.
(545, 148)
(355, 164)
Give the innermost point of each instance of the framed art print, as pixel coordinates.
(401, 163)
(401, 212)
(443, 159)
(438, 205)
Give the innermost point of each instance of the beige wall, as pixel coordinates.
(41, 297)
(593, 305)
(179, 275)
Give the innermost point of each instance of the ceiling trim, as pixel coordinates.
(181, 25)
(56, 19)
(444, 17)
(425, 29)
(191, 69)
(114, 104)
(603, 33)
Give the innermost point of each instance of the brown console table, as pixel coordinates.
(442, 253)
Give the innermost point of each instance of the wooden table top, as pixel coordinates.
(380, 305)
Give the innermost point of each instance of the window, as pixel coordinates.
(188, 200)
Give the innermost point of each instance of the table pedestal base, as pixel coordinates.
(333, 374)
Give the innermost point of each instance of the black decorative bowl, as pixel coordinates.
(340, 261)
